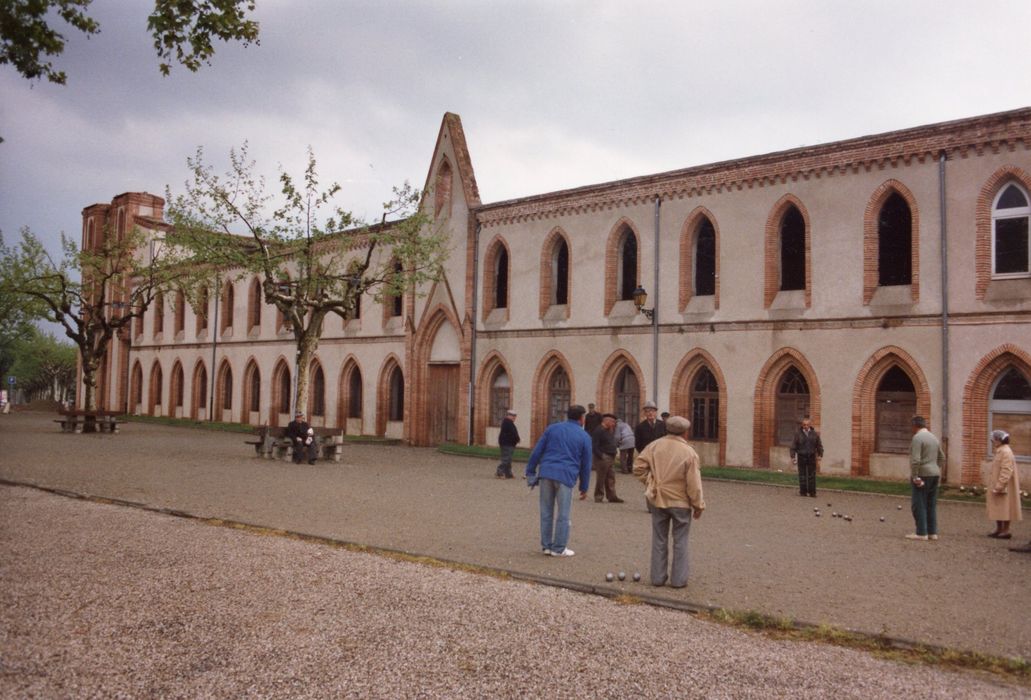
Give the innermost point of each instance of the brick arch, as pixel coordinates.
(688, 238)
(983, 222)
(347, 368)
(771, 272)
(485, 378)
(245, 408)
(154, 387)
(176, 384)
(417, 413)
(199, 398)
(276, 395)
(255, 300)
(612, 270)
(494, 248)
(605, 394)
(680, 391)
(975, 404)
(546, 273)
(383, 392)
(871, 244)
(541, 378)
(764, 413)
(864, 400)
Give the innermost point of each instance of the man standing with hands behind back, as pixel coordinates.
(925, 460)
(805, 449)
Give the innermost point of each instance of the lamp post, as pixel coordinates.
(640, 299)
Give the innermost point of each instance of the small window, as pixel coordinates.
(255, 390)
(1010, 250)
(501, 279)
(792, 250)
(396, 400)
(159, 314)
(705, 259)
(627, 265)
(560, 273)
(318, 392)
(895, 242)
(354, 394)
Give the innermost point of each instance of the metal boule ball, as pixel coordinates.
(900, 507)
(816, 510)
(882, 518)
(828, 505)
(622, 576)
(817, 514)
(637, 575)
(962, 488)
(609, 577)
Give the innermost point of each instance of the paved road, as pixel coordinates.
(756, 548)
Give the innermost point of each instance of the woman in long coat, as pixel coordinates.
(1003, 498)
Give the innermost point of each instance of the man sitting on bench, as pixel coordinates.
(302, 439)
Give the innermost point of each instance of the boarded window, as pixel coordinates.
(896, 406)
(559, 396)
(500, 397)
(628, 395)
(1010, 410)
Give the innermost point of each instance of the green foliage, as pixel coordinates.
(185, 28)
(313, 258)
(176, 24)
(44, 366)
(92, 294)
(26, 36)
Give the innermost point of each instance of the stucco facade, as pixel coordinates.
(810, 281)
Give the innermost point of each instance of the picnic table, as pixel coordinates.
(78, 421)
(271, 442)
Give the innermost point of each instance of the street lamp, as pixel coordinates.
(640, 299)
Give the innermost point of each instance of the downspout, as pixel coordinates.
(471, 393)
(214, 347)
(945, 311)
(655, 307)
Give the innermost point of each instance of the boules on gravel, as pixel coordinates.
(622, 576)
(900, 507)
(637, 576)
(882, 518)
(610, 577)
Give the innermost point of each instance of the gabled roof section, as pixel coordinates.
(451, 128)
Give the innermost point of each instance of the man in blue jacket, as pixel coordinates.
(563, 455)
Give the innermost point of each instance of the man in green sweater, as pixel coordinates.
(925, 460)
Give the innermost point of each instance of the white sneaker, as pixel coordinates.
(933, 537)
(914, 536)
(564, 553)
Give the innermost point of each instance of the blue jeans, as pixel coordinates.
(925, 506)
(555, 526)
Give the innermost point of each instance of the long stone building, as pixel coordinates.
(857, 282)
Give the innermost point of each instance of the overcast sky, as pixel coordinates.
(551, 94)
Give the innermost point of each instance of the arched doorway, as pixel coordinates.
(785, 392)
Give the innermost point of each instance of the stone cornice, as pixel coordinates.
(957, 139)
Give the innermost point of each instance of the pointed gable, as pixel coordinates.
(451, 153)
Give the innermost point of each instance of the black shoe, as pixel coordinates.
(311, 461)
(616, 500)
(1022, 548)
(812, 495)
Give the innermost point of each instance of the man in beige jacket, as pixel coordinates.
(673, 486)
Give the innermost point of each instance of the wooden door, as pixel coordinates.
(443, 403)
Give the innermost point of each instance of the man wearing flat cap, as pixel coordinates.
(507, 441)
(302, 439)
(671, 473)
(651, 428)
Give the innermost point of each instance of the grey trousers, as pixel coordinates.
(664, 519)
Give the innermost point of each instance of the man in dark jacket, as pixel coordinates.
(805, 449)
(603, 442)
(592, 420)
(507, 441)
(649, 429)
(302, 439)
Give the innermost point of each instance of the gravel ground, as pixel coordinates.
(106, 601)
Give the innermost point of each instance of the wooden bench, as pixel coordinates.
(74, 421)
(271, 442)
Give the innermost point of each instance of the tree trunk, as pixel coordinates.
(307, 344)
